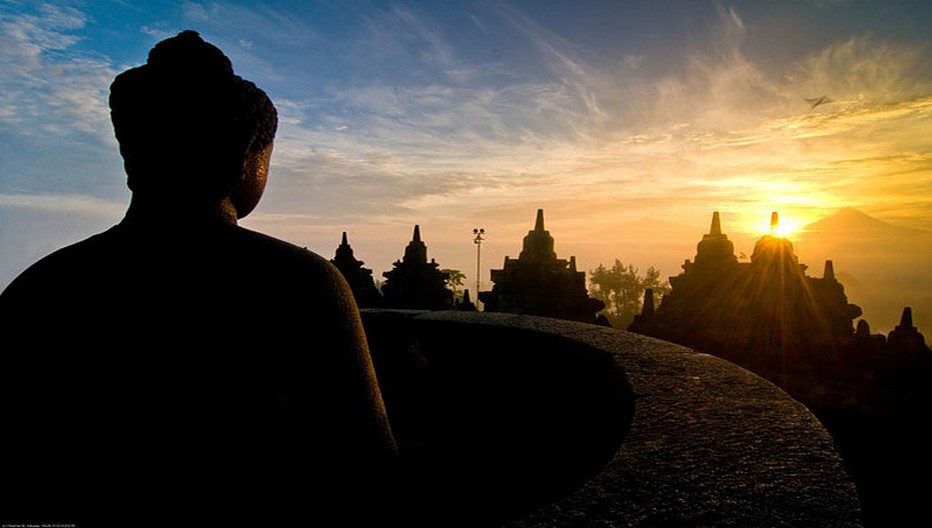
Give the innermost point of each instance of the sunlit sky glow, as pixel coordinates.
(455, 115)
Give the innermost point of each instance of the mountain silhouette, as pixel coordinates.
(850, 234)
(884, 267)
(850, 221)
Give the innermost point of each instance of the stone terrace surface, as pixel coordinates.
(711, 444)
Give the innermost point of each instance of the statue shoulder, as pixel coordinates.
(63, 266)
(295, 263)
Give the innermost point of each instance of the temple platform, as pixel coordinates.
(709, 443)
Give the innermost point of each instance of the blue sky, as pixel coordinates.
(460, 114)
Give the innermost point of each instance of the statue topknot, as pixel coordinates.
(185, 118)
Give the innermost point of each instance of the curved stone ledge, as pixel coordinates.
(711, 444)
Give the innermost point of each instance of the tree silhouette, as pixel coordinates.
(455, 282)
(621, 288)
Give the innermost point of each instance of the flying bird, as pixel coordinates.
(816, 101)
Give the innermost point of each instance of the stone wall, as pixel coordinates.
(711, 444)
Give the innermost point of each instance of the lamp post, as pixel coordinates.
(477, 239)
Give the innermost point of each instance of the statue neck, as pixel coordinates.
(157, 210)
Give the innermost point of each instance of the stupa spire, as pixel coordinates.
(648, 309)
(538, 244)
(906, 337)
(414, 282)
(906, 320)
(359, 278)
(344, 252)
(829, 272)
(716, 228)
(539, 283)
(774, 222)
(416, 250)
(539, 223)
(715, 249)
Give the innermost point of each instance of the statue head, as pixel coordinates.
(190, 130)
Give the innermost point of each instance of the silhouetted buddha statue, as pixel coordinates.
(177, 365)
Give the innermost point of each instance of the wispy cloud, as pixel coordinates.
(865, 69)
(411, 144)
(567, 69)
(64, 203)
(200, 12)
(47, 89)
(32, 226)
(398, 117)
(723, 130)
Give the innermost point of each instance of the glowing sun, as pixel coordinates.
(780, 226)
